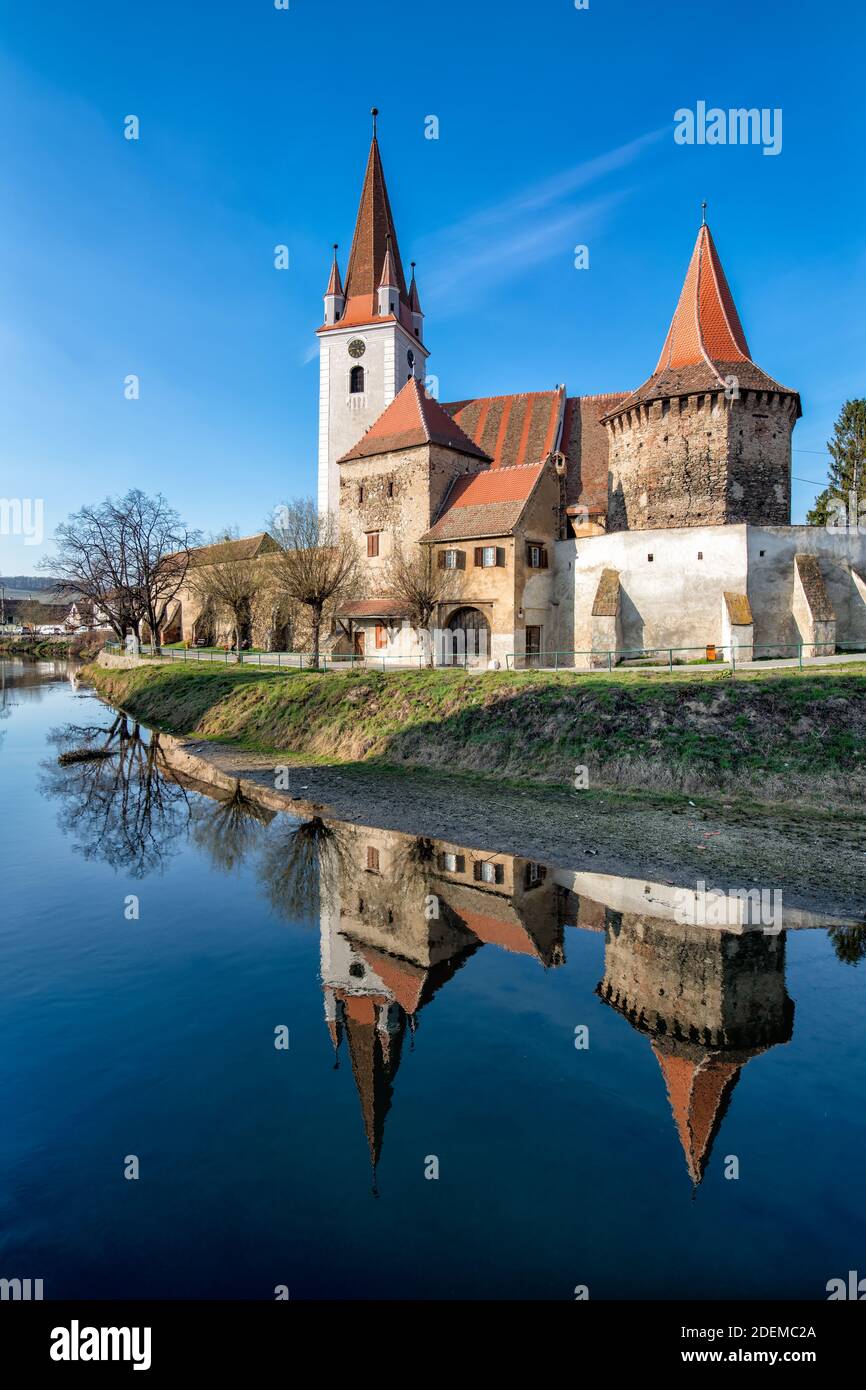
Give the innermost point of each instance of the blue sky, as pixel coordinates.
(155, 257)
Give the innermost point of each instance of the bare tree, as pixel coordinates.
(317, 566)
(228, 589)
(419, 584)
(127, 557)
(94, 561)
(161, 548)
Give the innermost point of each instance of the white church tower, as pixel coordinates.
(371, 341)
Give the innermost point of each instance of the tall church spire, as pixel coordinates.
(373, 227)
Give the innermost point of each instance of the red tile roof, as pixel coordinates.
(383, 607)
(403, 978)
(507, 932)
(705, 343)
(706, 325)
(488, 503)
(513, 429)
(699, 1093)
(226, 552)
(411, 419)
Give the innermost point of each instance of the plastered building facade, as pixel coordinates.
(567, 527)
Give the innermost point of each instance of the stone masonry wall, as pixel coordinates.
(701, 461)
(402, 492)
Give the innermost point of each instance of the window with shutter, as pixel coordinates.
(372, 544)
(491, 872)
(500, 556)
(372, 858)
(381, 635)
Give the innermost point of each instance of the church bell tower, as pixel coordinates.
(371, 341)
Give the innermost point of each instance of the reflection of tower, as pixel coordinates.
(383, 956)
(709, 1000)
(398, 919)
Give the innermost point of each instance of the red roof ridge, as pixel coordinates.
(504, 396)
(602, 395)
(411, 418)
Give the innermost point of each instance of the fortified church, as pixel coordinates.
(647, 518)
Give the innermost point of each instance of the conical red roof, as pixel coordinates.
(335, 284)
(414, 301)
(699, 1093)
(706, 326)
(389, 272)
(705, 345)
(411, 419)
(374, 225)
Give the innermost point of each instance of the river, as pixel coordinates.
(242, 1051)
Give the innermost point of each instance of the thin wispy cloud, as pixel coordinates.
(539, 222)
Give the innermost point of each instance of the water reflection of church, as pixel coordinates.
(400, 915)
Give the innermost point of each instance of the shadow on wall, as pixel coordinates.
(632, 622)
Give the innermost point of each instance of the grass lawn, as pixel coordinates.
(789, 734)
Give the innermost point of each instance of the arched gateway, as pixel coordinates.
(467, 637)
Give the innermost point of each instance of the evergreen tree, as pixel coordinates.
(847, 471)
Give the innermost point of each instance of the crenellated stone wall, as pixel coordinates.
(701, 460)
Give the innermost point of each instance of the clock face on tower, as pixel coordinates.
(357, 347)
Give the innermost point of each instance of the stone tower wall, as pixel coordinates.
(701, 460)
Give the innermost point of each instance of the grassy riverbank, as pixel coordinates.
(79, 647)
(796, 737)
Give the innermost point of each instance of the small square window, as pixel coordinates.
(649, 557)
(762, 552)
(700, 555)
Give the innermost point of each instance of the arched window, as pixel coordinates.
(356, 381)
